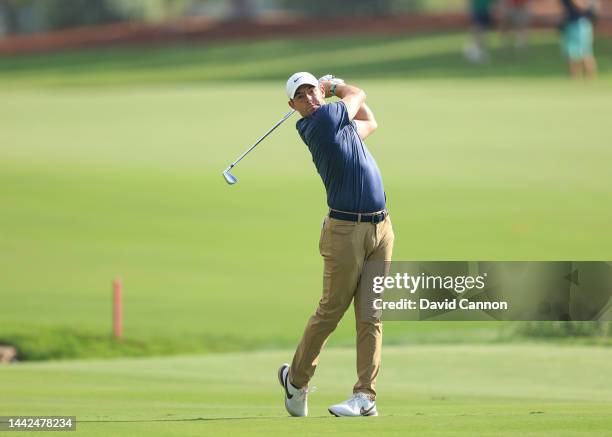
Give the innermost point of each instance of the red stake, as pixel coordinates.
(117, 309)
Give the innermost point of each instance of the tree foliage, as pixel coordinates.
(338, 8)
(62, 14)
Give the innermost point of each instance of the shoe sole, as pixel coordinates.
(371, 414)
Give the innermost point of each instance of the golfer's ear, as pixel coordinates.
(291, 104)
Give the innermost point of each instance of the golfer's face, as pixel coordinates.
(307, 99)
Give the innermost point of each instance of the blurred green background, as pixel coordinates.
(111, 167)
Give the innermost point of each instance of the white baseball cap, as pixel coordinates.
(299, 79)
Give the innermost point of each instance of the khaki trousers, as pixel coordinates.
(345, 246)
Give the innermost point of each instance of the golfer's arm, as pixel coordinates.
(365, 121)
(354, 100)
(352, 97)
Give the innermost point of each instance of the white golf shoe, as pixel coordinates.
(296, 399)
(359, 405)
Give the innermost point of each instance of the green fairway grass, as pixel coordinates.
(110, 166)
(423, 390)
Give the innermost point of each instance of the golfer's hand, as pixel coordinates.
(331, 78)
(327, 81)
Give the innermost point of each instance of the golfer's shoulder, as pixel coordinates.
(333, 109)
(333, 113)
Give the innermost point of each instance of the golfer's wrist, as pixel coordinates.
(332, 89)
(327, 88)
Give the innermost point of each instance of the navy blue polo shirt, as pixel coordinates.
(348, 170)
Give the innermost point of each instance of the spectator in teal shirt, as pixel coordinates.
(577, 37)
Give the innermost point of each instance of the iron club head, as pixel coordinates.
(229, 178)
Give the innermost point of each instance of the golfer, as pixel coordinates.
(357, 229)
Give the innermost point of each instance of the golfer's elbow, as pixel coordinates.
(358, 95)
(372, 126)
(371, 120)
(362, 96)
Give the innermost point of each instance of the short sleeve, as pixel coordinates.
(332, 117)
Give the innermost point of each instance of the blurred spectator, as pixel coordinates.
(515, 22)
(577, 36)
(241, 10)
(477, 50)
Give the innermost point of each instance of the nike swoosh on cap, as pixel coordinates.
(297, 78)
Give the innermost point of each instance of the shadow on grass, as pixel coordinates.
(199, 419)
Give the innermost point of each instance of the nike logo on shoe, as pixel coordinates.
(289, 395)
(283, 381)
(365, 412)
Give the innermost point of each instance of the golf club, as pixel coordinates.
(231, 179)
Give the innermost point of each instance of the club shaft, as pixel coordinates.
(278, 123)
